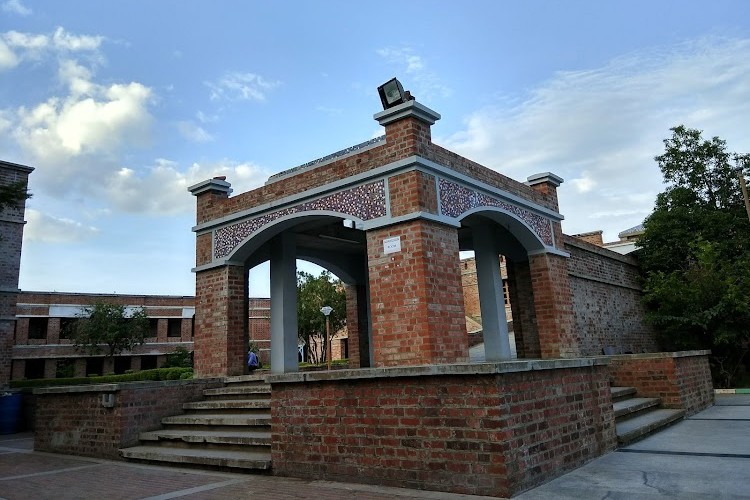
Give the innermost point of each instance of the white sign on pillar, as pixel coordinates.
(392, 245)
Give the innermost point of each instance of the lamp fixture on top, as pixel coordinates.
(392, 94)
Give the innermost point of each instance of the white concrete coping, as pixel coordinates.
(438, 370)
(658, 355)
(407, 109)
(77, 388)
(136, 384)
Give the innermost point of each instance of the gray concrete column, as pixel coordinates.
(490, 285)
(283, 304)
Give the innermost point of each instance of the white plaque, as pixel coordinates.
(392, 245)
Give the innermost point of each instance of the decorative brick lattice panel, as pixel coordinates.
(363, 202)
(456, 200)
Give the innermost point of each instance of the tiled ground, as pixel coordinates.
(26, 474)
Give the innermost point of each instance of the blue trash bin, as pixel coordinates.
(10, 413)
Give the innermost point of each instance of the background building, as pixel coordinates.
(40, 348)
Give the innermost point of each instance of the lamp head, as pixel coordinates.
(392, 93)
(326, 310)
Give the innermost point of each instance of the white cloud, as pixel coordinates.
(50, 229)
(16, 7)
(92, 119)
(193, 132)
(62, 43)
(423, 82)
(162, 189)
(601, 128)
(8, 58)
(235, 86)
(63, 40)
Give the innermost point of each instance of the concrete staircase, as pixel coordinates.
(636, 417)
(230, 428)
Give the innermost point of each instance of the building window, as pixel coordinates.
(67, 327)
(153, 327)
(38, 328)
(506, 293)
(66, 368)
(94, 366)
(122, 364)
(174, 327)
(148, 362)
(34, 368)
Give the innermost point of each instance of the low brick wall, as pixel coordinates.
(77, 420)
(680, 379)
(487, 429)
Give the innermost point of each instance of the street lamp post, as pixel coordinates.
(326, 310)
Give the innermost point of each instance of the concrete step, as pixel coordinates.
(244, 437)
(229, 404)
(249, 391)
(255, 378)
(631, 406)
(220, 419)
(251, 460)
(619, 393)
(639, 426)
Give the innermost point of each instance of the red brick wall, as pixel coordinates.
(416, 297)
(607, 300)
(482, 434)
(680, 379)
(73, 420)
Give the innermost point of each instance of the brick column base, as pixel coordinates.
(220, 322)
(416, 297)
(553, 304)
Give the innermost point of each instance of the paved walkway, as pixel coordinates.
(706, 456)
(27, 474)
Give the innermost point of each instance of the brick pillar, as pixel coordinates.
(553, 305)
(162, 330)
(11, 229)
(352, 324)
(50, 368)
(220, 321)
(186, 330)
(407, 129)
(108, 366)
(19, 369)
(522, 306)
(416, 298)
(135, 363)
(80, 368)
(53, 331)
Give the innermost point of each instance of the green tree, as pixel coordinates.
(12, 194)
(695, 253)
(109, 329)
(314, 292)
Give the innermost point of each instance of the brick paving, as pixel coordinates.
(25, 474)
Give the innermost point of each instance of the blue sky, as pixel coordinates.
(121, 105)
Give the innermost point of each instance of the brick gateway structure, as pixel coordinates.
(389, 217)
